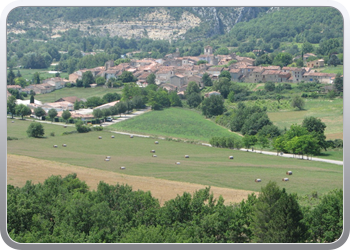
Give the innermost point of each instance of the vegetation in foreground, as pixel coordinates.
(64, 210)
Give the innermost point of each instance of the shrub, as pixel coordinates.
(97, 128)
(81, 128)
(9, 138)
(35, 129)
(52, 134)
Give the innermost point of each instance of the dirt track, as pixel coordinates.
(23, 168)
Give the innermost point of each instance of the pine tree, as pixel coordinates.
(277, 217)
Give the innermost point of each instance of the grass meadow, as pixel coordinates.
(44, 73)
(329, 111)
(206, 165)
(174, 122)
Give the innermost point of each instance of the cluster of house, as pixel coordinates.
(174, 72)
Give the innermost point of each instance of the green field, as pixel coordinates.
(28, 73)
(174, 122)
(78, 92)
(332, 69)
(206, 165)
(329, 111)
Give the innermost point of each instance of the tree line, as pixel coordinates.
(64, 210)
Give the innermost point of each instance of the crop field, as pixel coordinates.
(205, 166)
(174, 122)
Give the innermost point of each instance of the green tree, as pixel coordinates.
(22, 110)
(87, 79)
(338, 83)
(202, 62)
(298, 102)
(97, 113)
(77, 105)
(52, 113)
(192, 87)
(151, 78)
(263, 141)
(138, 102)
(81, 127)
(307, 47)
(100, 80)
(32, 99)
(121, 107)
(36, 78)
(223, 86)
(277, 217)
(226, 74)
(127, 76)
(111, 97)
(35, 129)
(39, 112)
(193, 100)
(222, 51)
(207, 80)
(249, 140)
(231, 96)
(270, 86)
(283, 59)
(66, 115)
(11, 78)
(213, 106)
(11, 105)
(174, 99)
(325, 221)
(334, 60)
(317, 128)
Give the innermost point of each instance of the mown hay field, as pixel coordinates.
(206, 165)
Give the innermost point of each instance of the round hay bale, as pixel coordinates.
(154, 155)
(285, 179)
(230, 157)
(64, 126)
(177, 163)
(153, 151)
(64, 145)
(55, 146)
(100, 137)
(187, 156)
(106, 159)
(156, 142)
(131, 136)
(112, 136)
(257, 180)
(122, 168)
(13, 121)
(289, 172)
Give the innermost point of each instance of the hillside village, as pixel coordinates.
(173, 73)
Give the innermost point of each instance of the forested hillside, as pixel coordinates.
(38, 36)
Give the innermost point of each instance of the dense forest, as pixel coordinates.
(65, 210)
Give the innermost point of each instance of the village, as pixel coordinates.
(173, 73)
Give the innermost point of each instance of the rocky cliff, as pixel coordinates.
(156, 23)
